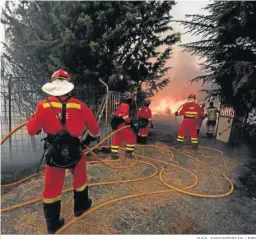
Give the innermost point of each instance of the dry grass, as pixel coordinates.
(182, 225)
(127, 216)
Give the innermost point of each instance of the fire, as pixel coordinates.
(183, 68)
(166, 106)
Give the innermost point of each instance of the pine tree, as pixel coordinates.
(229, 50)
(92, 40)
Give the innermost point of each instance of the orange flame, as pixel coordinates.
(166, 106)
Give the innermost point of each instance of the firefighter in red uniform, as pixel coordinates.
(144, 114)
(190, 111)
(48, 117)
(122, 119)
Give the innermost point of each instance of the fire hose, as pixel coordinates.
(168, 164)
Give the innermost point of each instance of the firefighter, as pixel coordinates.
(190, 111)
(52, 117)
(146, 115)
(121, 119)
(212, 119)
(138, 100)
(200, 119)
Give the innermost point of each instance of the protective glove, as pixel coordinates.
(89, 139)
(151, 126)
(176, 113)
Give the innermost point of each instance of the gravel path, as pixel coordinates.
(168, 213)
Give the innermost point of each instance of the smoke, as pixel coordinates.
(184, 67)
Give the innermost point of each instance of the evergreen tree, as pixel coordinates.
(92, 40)
(229, 50)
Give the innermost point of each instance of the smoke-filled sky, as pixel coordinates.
(184, 66)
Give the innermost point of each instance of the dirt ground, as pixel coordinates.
(168, 212)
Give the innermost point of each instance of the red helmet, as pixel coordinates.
(60, 74)
(192, 96)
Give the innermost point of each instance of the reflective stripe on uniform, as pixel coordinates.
(59, 105)
(125, 117)
(180, 140)
(73, 106)
(191, 113)
(80, 189)
(52, 200)
(114, 149)
(194, 138)
(180, 137)
(130, 145)
(194, 141)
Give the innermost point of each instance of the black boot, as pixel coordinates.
(139, 139)
(195, 147)
(114, 156)
(179, 144)
(52, 216)
(144, 140)
(82, 202)
(128, 155)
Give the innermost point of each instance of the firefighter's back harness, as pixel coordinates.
(62, 149)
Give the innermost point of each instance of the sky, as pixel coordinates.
(1, 26)
(187, 7)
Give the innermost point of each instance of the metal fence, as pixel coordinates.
(16, 105)
(112, 100)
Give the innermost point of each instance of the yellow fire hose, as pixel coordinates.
(184, 190)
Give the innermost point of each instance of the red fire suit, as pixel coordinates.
(125, 134)
(78, 116)
(190, 111)
(145, 112)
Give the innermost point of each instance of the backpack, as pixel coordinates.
(64, 150)
(116, 121)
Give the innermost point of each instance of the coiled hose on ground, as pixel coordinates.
(138, 159)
